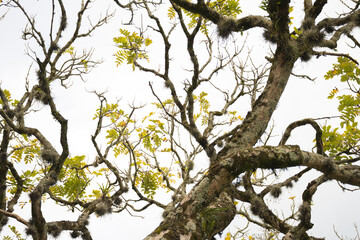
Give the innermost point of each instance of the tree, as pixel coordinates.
(160, 151)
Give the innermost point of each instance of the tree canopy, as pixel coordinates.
(201, 149)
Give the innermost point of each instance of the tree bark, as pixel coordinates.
(188, 221)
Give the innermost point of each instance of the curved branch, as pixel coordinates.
(292, 126)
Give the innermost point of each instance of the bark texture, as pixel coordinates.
(238, 157)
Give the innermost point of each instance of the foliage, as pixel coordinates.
(7, 94)
(207, 137)
(228, 8)
(72, 179)
(343, 143)
(130, 45)
(17, 234)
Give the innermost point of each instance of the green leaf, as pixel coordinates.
(73, 179)
(171, 13)
(132, 47)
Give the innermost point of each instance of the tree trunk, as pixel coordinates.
(188, 221)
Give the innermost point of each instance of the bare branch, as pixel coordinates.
(15, 216)
(324, 53)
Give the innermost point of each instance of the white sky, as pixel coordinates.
(302, 99)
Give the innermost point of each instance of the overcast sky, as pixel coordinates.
(302, 99)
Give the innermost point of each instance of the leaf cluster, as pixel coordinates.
(12, 101)
(227, 8)
(344, 142)
(72, 179)
(132, 46)
(18, 235)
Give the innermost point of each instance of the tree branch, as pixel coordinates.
(292, 126)
(15, 216)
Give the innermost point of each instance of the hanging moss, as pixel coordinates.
(75, 234)
(49, 155)
(308, 23)
(225, 27)
(329, 29)
(269, 36)
(54, 230)
(289, 184)
(312, 37)
(305, 57)
(275, 192)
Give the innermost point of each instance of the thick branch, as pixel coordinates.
(222, 173)
(316, 9)
(256, 121)
(238, 25)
